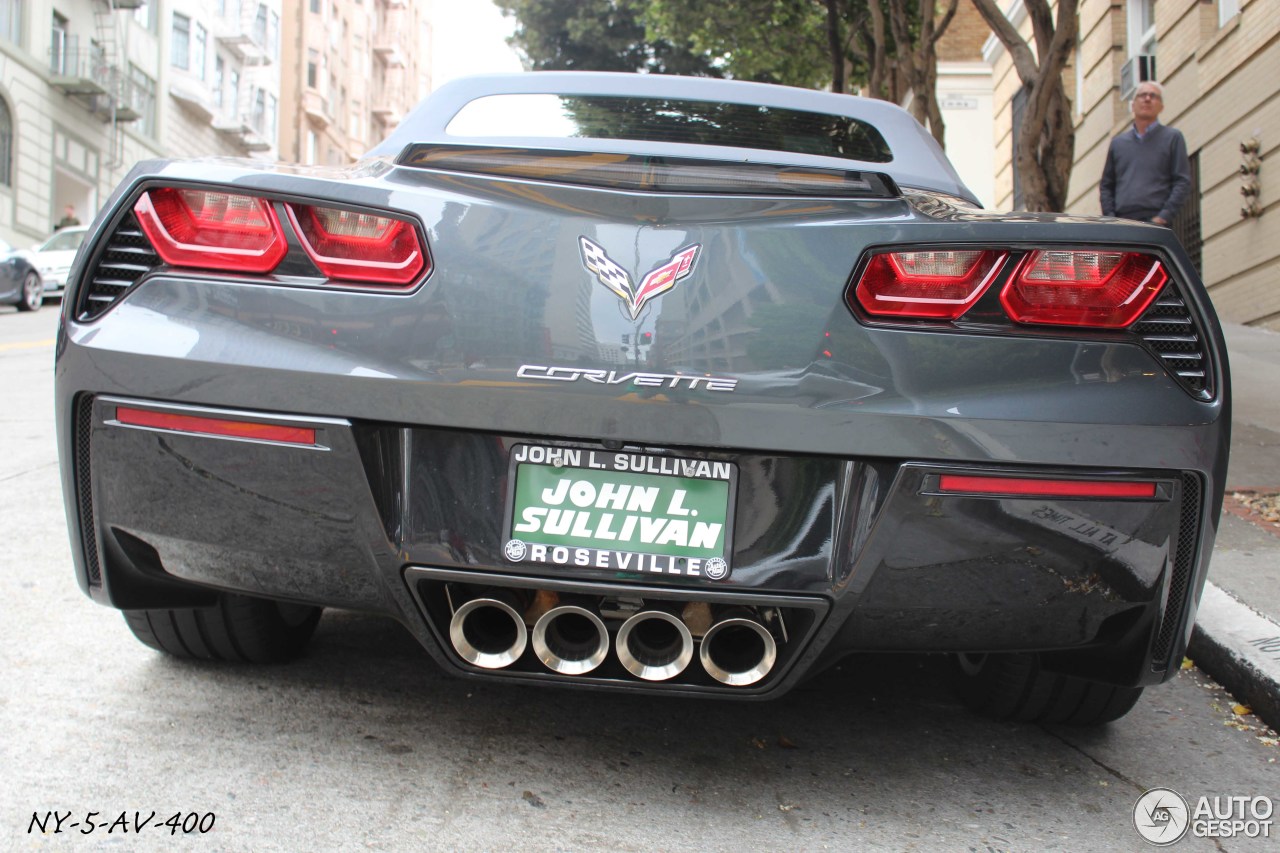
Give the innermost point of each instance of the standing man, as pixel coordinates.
(1147, 176)
(68, 219)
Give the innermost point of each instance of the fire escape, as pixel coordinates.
(94, 77)
(246, 118)
(390, 73)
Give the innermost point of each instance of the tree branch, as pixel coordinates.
(946, 20)
(1019, 50)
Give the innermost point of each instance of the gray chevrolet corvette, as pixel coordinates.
(648, 384)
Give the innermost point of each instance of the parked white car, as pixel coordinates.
(53, 257)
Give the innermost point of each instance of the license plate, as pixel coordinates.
(620, 511)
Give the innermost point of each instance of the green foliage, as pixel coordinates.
(596, 35)
(770, 41)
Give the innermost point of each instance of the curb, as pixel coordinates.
(1240, 648)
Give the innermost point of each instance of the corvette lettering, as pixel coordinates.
(616, 377)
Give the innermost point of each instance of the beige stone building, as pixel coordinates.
(352, 69)
(1219, 63)
(89, 87)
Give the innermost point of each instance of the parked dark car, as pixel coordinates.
(644, 383)
(20, 283)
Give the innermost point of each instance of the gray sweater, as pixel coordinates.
(1146, 177)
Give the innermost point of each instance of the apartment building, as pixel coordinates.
(1219, 63)
(89, 87)
(353, 68)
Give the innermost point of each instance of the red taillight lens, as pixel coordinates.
(933, 285)
(212, 230)
(1106, 290)
(355, 246)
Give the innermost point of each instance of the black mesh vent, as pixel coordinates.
(128, 256)
(1171, 330)
(84, 486)
(1184, 556)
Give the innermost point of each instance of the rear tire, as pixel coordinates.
(238, 628)
(1015, 687)
(32, 296)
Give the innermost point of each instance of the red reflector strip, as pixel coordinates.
(215, 426)
(1045, 488)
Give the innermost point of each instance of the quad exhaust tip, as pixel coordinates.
(570, 640)
(488, 632)
(654, 645)
(738, 651)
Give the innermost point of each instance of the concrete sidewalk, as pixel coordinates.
(1237, 635)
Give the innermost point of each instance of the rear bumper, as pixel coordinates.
(859, 553)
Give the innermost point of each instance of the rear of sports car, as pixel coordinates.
(639, 412)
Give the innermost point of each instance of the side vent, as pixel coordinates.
(84, 487)
(1170, 329)
(1184, 557)
(127, 257)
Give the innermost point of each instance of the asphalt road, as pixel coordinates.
(364, 744)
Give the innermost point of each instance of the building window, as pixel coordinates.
(259, 118)
(142, 96)
(11, 21)
(1227, 9)
(313, 144)
(1186, 222)
(219, 74)
(6, 145)
(260, 26)
(315, 7)
(273, 110)
(234, 85)
(273, 36)
(60, 60)
(145, 16)
(313, 68)
(1142, 27)
(180, 46)
(198, 44)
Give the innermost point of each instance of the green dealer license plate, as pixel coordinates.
(620, 511)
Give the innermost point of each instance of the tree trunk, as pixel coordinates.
(1045, 146)
(835, 46)
(918, 58)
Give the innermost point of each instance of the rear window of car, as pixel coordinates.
(671, 120)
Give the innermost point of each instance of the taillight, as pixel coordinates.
(1082, 288)
(212, 230)
(933, 285)
(354, 246)
(1037, 487)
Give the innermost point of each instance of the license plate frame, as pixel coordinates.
(669, 530)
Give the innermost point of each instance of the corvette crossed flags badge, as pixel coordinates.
(655, 282)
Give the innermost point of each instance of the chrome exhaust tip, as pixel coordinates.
(654, 645)
(738, 651)
(488, 632)
(570, 640)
